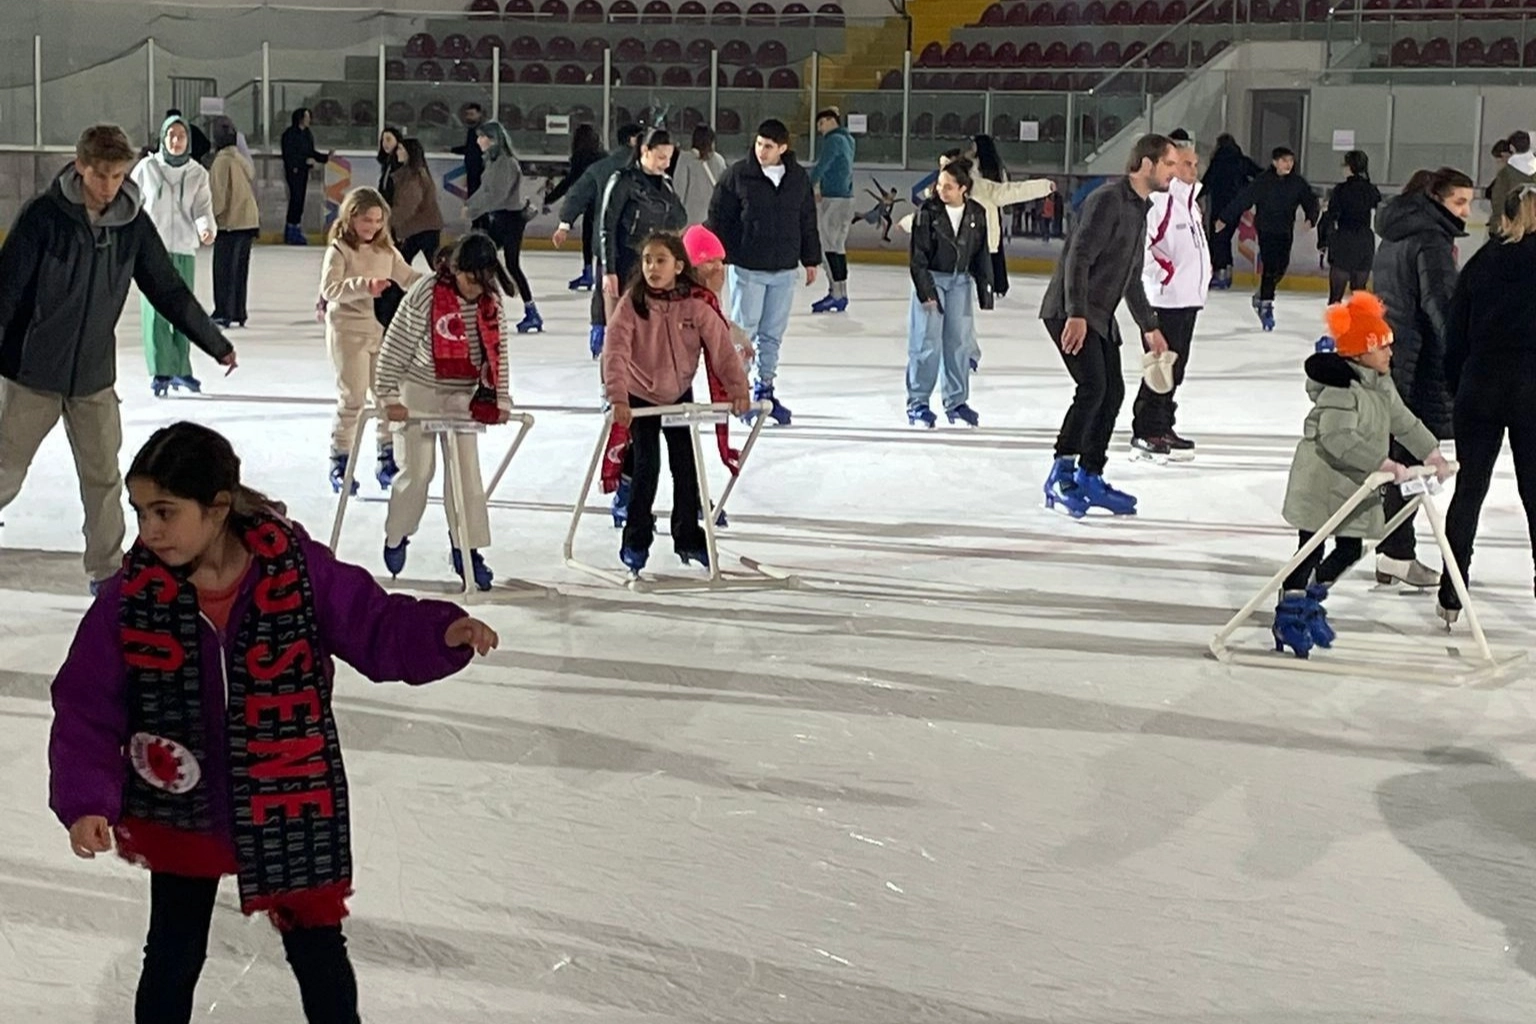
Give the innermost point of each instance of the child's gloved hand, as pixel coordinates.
(1397, 469)
(1437, 462)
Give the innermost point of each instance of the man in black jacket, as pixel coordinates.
(1100, 267)
(1275, 196)
(299, 158)
(1229, 173)
(764, 210)
(64, 275)
(472, 114)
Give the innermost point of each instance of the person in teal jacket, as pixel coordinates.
(833, 178)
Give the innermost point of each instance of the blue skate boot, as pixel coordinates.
(394, 557)
(531, 320)
(387, 469)
(1267, 315)
(965, 413)
(160, 387)
(830, 304)
(921, 416)
(1061, 488)
(1317, 617)
(339, 474)
(483, 575)
(595, 340)
(583, 283)
(1291, 627)
(634, 560)
(187, 383)
(1100, 494)
(763, 392)
(701, 555)
(620, 507)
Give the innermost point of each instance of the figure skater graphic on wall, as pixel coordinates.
(882, 213)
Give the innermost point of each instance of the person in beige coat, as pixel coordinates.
(361, 263)
(232, 180)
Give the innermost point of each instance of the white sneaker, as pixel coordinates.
(1408, 571)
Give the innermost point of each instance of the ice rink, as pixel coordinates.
(979, 767)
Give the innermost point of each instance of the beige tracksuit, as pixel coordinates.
(352, 333)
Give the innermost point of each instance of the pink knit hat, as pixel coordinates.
(703, 245)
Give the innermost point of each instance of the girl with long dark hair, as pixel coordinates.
(1345, 231)
(638, 202)
(415, 213)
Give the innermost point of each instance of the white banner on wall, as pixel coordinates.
(1029, 131)
(858, 124)
(1343, 140)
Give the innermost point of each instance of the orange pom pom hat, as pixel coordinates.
(1358, 325)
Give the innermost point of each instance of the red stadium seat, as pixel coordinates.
(667, 50)
(364, 113)
(429, 71)
(554, 11)
(1057, 55)
(435, 114)
(692, 11)
(515, 9)
(487, 45)
(1109, 55)
(483, 9)
(629, 51)
(1082, 55)
(932, 56)
(722, 79)
(455, 47)
(830, 15)
(891, 80)
(728, 122)
(1006, 55)
(994, 16)
(464, 71)
(1436, 53)
(620, 12)
(1470, 53)
(1096, 14)
(1175, 12)
(747, 78)
(1032, 56)
(1504, 53)
(726, 12)
(573, 74)
(980, 55)
(677, 77)
(395, 71)
(761, 14)
(698, 51)
(592, 50)
(534, 74)
(400, 112)
(772, 53)
(1019, 16)
(957, 56)
(657, 12)
(640, 75)
(420, 46)
(784, 78)
(526, 48)
(795, 15)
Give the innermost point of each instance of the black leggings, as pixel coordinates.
(506, 229)
(1346, 552)
(1000, 272)
(587, 236)
(424, 242)
(180, 913)
(837, 265)
(644, 464)
(1488, 404)
(1274, 261)
(298, 190)
(1340, 281)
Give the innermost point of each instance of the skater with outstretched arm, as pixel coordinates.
(1101, 266)
(1275, 196)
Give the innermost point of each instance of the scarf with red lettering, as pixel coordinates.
(287, 787)
(451, 357)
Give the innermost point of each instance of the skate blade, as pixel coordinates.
(1137, 455)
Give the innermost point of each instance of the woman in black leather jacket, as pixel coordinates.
(638, 202)
(949, 252)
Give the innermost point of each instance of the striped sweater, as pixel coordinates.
(406, 354)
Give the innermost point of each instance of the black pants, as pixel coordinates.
(1152, 415)
(645, 459)
(506, 229)
(424, 242)
(1340, 280)
(231, 274)
(1485, 409)
(298, 189)
(180, 912)
(1000, 272)
(1274, 261)
(1090, 421)
(1402, 542)
(1346, 552)
(1221, 245)
(837, 265)
(587, 247)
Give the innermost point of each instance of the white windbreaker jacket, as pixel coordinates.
(1177, 270)
(178, 200)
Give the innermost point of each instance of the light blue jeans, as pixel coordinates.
(941, 339)
(760, 305)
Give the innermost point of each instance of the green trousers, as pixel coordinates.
(167, 351)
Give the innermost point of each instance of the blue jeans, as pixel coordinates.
(760, 305)
(936, 339)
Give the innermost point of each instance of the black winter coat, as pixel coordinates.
(63, 282)
(299, 149)
(635, 205)
(765, 227)
(1345, 230)
(1491, 334)
(1415, 272)
(1101, 265)
(1229, 172)
(937, 249)
(474, 159)
(1274, 200)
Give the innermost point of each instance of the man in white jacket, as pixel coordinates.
(1177, 276)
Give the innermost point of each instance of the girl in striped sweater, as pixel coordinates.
(443, 356)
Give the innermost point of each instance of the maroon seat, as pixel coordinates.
(1288, 11)
(737, 52)
(1504, 53)
(1262, 14)
(728, 122)
(515, 9)
(555, 11)
(1530, 54)
(1006, 55)
(980, 56)
(534, 74)
(487, 45)
(507, 72)
(429, 71)
(1470, 53)
(395, 71)
(464, 71)
(1196, 53)
(891, 80)
(692, 10)
(1057, 55)
(573, 74)
(772, 54)
(969, 81)
(1088, 128)
(455, 46)
(657, 12)
(830, 16)
(420, 46)
(677, 77)
(619, 12)
(932, 56)
(1054, 128)
(1438, 5)
(1506, 9)
(726, 12)
(1436, 53)
(526, 48)
(592, 49)
(784, 78)
(561, 48)
(1175, 12)
(1216, 47)
(877, 123)
(722, 79)
(1040, 82)
(938, 81)
(588, 12)
(1069, 14)
(1376, 9)
(1317, 10)
(1041, 16)
(435, 113)
(949, 126)
(364, 113)
(956, 56)
(1165, 55)
(1132, 51)
(1096, 14)
(629, 51)
(1032, 56)
(1408, 5)
(400, 112)
(1019, 15)
(667, 50)
(482, 9)
(536, 117)
(1082, 55)
(698, 51)
(1109, 126)
(761, 13)
(747, 78)
(1014, 81)
(641, 75)
(691, 118)
(994, 17)
(1109, 55)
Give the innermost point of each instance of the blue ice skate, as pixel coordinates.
(339, 474)
(1061, 488)
(483, 575)
(634, 559)
(620, 507)
(964, 413)
(1317, 617)
(830, 304)
(160, 387)
(394, 557)
(1292, 627)
(1099, 494)
(531, 320)
(763, 392)
(595, 340)
(387, 469)
(187, 382)
(922, 416)
(1267, 315)
(583, 283)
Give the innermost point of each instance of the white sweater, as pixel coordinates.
(1177, 269)
(178, 200)
(406, 354)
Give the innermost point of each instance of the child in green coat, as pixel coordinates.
(1355, 411)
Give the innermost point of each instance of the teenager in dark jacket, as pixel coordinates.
(1416, 278)
(299, 157)
(950, 256)
(65, 269)
(1229, 173)
(1345, 231)
(1275, 196)
(391, 158)
(1490, 365)
(472, 114)
(1101, 267)
(638, 201)
(586, 150)
(764, 210)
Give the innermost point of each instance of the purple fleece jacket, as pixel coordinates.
(386, 637)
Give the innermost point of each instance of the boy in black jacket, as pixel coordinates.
(1275, 197)
(64, 275)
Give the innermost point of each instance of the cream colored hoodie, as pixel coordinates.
(344, 278)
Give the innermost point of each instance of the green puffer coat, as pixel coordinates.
(1354, 412)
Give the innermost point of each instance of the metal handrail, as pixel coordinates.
(1167, 33)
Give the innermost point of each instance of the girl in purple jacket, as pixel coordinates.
(192, 719)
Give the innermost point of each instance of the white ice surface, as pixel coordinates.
(979, 768)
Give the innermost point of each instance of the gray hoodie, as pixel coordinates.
(501, 185)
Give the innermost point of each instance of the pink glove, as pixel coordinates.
(1437, 462)
(1397, 469)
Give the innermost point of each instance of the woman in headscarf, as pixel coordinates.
(498, 209)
